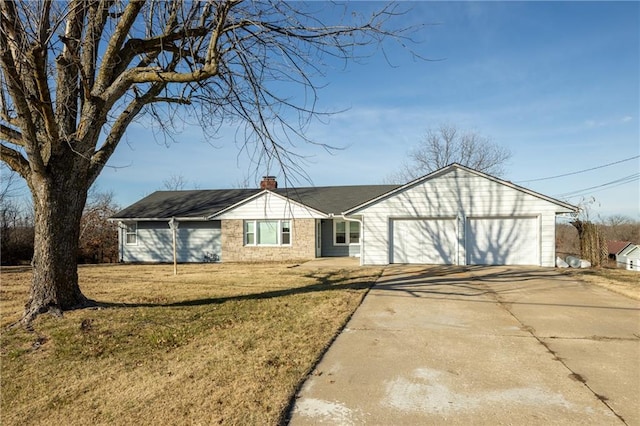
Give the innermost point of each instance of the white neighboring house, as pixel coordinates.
(628, 257)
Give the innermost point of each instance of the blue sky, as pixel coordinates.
(558, 83)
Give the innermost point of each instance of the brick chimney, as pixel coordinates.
(268, 182)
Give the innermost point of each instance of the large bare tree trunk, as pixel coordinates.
(75, 74)
(58, 201)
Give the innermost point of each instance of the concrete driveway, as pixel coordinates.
(485, 345)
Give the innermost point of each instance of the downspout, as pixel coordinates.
(346, 219)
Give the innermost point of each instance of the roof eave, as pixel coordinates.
(158, 219)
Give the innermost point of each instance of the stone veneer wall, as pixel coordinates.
(302, 247)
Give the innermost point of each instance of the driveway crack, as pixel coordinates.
(595, 338)
(573, 375)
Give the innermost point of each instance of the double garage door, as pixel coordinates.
(486, 241)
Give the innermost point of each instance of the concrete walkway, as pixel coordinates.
(435, 345)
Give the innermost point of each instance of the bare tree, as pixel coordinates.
(8, 183)
(619, 227)
(76, 74)
(16, 224)
(448, 144)
(98, 241)
(175, 182)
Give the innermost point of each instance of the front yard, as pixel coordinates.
(217, 344)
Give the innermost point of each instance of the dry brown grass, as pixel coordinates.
(618, 280)
(218, 344)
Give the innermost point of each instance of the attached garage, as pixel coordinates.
(459, 216)
(424, 240)
(502, 241)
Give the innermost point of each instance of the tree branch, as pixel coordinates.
(68, 70)
(180, 101)
(148, 74)
(102, 155)
(16, 161)
(40, 55)
(11, 135)
(97, 19)
(11, 47)
(110, 57)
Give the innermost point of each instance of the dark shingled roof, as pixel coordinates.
(196, 203)
(335, 199)
(204, 203)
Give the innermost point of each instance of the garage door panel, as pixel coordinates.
(503, 241)
(425, 241)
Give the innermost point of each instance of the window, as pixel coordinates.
(346, 232)
(267, 232)
(354, 233)
(250, 233)
(131, 233)
(286, 233)
(341, 232)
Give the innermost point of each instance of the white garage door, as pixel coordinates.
(428, 241)
(503, 241)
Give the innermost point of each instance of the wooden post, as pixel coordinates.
(173, 224)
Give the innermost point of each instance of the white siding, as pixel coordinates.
(629, 258)
(194, 240)
(270, 206)
(460, 194)
(503, 241)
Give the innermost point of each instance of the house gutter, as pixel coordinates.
(351, 219)
(157, 219)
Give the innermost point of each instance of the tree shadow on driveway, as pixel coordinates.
(470, 283)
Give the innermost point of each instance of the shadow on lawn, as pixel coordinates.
(325, 282)
(464, 281)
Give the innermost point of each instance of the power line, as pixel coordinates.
(608, 185)
(579, 171)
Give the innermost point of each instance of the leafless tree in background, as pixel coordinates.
(76, 74)
(98, 237)
(175, 182)
(448, 144)
(16, 220)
